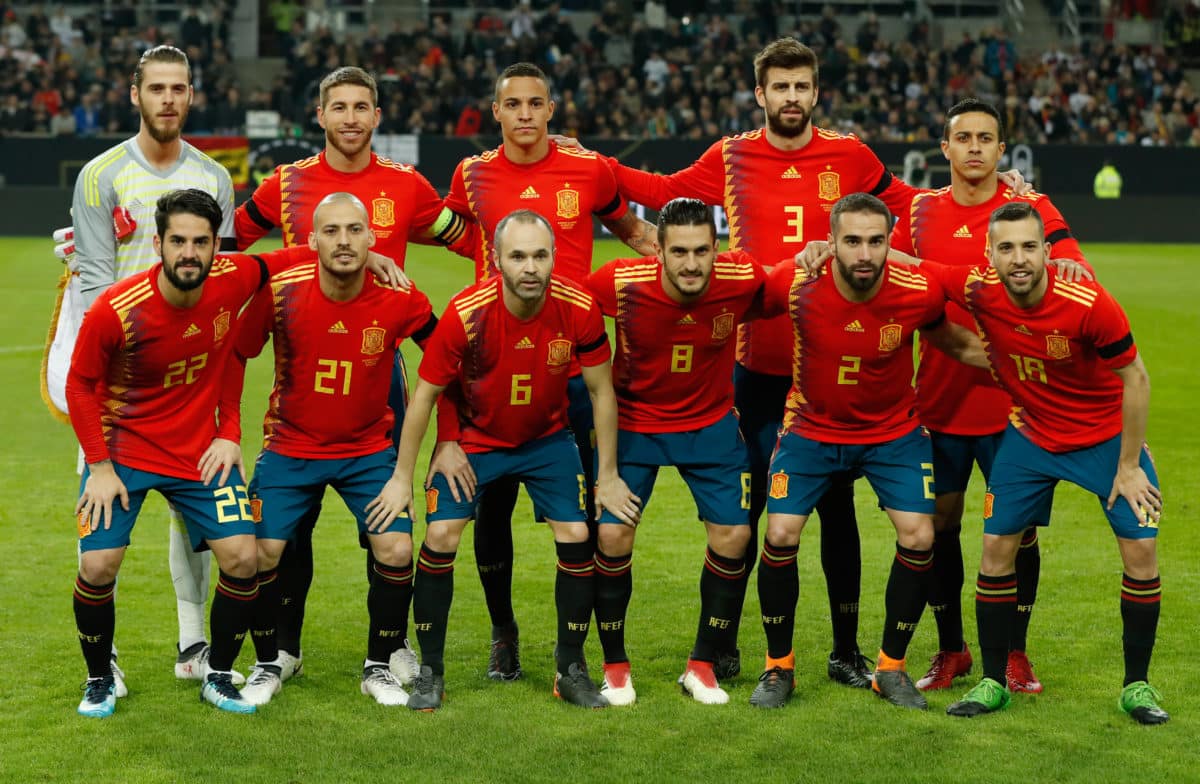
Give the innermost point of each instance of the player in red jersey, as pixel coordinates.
(509, 342)
(403, 207)
(676, 317)
(1081, 394)
(964, 409)
(777, 185)
(566, 186)
(143, 389)
(850, 409)
(329, 425)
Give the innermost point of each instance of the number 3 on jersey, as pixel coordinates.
(795, 222)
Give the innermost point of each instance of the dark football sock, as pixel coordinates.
(266, 611)
(904, 599)
(945, 589)
(719, 587)
(1029, 570)
(614, 587)
(433, 591)
(574, 599)
(995, 605)
(778, 592)
(841, 561)
(388, 599)
(295, 571)
(232, 612)
(1140, 603)
(95, 619)
(494, 548)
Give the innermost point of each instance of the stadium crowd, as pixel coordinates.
(647, 76)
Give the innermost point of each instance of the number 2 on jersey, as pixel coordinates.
(329, 369)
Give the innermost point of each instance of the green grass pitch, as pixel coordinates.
(321, 729)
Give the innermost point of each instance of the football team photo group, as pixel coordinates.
(852, 336)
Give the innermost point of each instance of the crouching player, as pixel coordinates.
(509, 342)
(328, 424)
(676, 321)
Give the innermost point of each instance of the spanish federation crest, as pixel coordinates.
(568, 203)
(383, 212)
(829, 186)
(1058, 346)
(890, 337)
(221, 325)
(779, 485)
(373, 340)
(431, 500)
(722, 326)
(559, 352)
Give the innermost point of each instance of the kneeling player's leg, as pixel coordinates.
(494, 548)
(295, 575)
(190, 576)
(841, 562)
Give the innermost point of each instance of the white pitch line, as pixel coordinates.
(19, 349)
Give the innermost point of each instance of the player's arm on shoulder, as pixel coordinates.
(453, 230)
(259, 214)
(1130, 481)
(958, 342)
(638, 234)
(1065, 253)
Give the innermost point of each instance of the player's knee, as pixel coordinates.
(442, 537)
(1139, 557)
(729, 541)
(783, 531)
(394, 550)
(269, 553)
(100, 567)
(999, 554)
(238, 559)
(615, 539)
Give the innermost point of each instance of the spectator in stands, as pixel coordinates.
(14, 117)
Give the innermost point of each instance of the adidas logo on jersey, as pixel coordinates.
(338, 329)
(529, 193)
(192, 331)
(1024, 330)
(790, 173)
(687, 321)
(854, 326)
(524, 342)
(963, 233)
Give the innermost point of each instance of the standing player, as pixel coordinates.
(113, 209)
(676, 316)
(777, 185)
(329, 425)
(509, 342)
(964, 409)
(1081, 395)
(403, 206)
(850, 410)
(143, 391)
(566, 186)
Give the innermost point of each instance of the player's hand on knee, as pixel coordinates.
(813, 257)
(388, 271)
(614, 495)
(1071, 271)
(1135, 487)
(451, 461)
(221, 457)
(394, 500)
(96, 501)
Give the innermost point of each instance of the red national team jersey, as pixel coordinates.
(513, 373)
(400, 202)
(775, 201)
(673, 370)
(146, 376)
(1056, 359)
(333, 362)
(853, 366)
(566, 187)
(953, 397)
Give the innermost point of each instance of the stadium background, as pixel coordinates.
(1138, 110)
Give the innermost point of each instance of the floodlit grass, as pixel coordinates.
(321, 729)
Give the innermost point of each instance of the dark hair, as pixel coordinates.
(1016, 211)
(858, 202)
(684, 212)
(352, 75)
(161, 54)
(968, 105)
(522, 216)
(784, 53)
(187, 201)
(518, 70)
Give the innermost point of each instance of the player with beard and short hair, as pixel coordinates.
(849, 410)
(1081, 393)
(113, 211)
(402, 207)
(144, 389)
